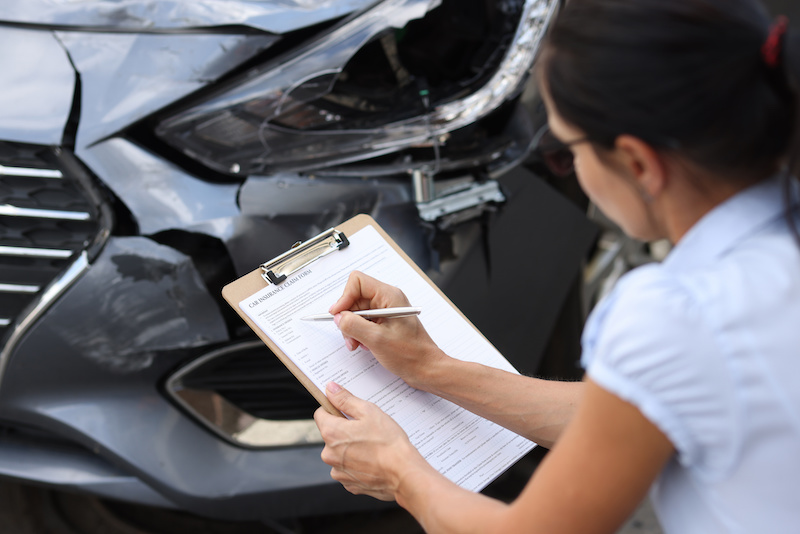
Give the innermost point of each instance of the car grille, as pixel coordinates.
(47, 217)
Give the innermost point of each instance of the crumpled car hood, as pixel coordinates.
(274, 16)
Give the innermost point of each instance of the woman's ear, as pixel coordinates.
(643, 164)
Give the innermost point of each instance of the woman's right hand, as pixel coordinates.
(401, 344)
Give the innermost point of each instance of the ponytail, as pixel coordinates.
(787, 56)
(790, 62)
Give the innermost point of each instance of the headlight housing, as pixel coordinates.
(302, 112)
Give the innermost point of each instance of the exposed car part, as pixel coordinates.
(615, 254)
(460, 205)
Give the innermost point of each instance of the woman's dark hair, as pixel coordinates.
(683, 75)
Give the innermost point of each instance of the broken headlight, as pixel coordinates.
(374, 84)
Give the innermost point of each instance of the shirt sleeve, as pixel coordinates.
(649, 344)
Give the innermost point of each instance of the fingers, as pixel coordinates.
(357, 449)
(352, 294)
(337, 431)
(350, 342)
(356, 330)
(363, 291)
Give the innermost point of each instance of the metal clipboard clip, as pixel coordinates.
(301, 254)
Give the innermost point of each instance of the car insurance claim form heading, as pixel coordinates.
(467, 449)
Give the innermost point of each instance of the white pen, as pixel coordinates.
(380, 313)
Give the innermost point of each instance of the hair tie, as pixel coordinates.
(773, 46)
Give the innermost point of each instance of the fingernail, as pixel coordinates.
(333, 387)
(351, 344)
(337, 318)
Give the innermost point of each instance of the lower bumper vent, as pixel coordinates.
(246, 395)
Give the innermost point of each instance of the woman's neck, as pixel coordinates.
(690, 195)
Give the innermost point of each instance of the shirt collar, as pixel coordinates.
(727, 224)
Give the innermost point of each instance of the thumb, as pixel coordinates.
(343, 400)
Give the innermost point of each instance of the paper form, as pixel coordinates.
(467, 449)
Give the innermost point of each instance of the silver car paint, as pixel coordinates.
(153, 300)
(275, 16)
(160, 195)
(126, 77)
(36, 88)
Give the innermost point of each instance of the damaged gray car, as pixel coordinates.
(153, 151)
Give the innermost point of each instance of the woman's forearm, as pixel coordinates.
(441, 507)
(535, 408)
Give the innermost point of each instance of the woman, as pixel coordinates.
(680, 115)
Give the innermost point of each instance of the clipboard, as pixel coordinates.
(466, 448)
(298, 256)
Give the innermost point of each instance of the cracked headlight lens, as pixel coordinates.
(303, 112)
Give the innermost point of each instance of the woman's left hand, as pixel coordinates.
(368, 453)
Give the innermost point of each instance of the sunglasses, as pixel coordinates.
(554, 153)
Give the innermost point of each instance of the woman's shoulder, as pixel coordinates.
(648, 304)
(651, 293)
(650, 324)
(650, 343)
(756, 278)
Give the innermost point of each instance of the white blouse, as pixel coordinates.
(707, 346)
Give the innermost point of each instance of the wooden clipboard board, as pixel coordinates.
(253, 282)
